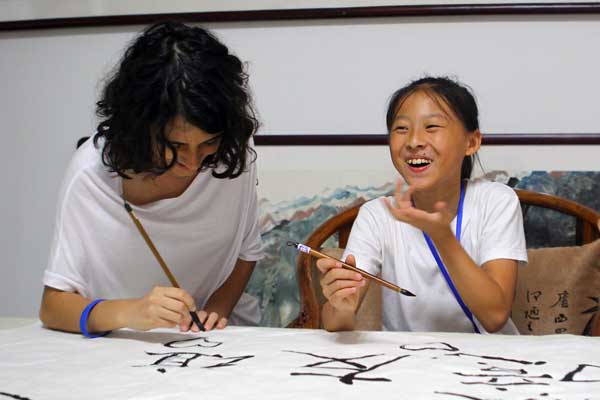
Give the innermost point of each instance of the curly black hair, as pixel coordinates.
(457, 96)
(173, 69)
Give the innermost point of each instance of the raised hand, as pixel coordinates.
(435, 223)
(340, 286)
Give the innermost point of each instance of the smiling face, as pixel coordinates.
(193, 145)
(428, 143)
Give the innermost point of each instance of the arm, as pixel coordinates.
(487, 291)
(221, 302)
(162, 307)
(345, 289)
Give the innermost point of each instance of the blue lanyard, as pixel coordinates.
(440, 263)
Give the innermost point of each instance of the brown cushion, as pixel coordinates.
(368, 317)
(558, 290)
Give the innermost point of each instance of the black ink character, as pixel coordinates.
(563, 299)
(570, 377)
(462, 396)
(183, 359)
(560, 318)
(193, 342)
(14, 396)
(533, 313)
(333, 363)
(535, 295)
(530, 326)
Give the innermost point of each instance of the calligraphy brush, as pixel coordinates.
(160, 260)
(305, 249)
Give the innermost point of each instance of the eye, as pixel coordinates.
(432, 126)
(176, 145)
(212, 141)
(401, 129)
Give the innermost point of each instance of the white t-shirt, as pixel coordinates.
(492, 228)
(98, 252)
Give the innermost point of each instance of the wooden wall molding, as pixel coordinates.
(310, 13)
(378, 140)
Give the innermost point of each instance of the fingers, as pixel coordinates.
(181, 295)
(350, 260)
(338, 283)
(406, 196)
(325, 264)
(222, 323)
(167, 307)
(403, 194)
(172, 305)
(332, 269)
(211, 320)
(404, 214)
(337, 274)
(341, 288)
(338, 298)
(179, 300)
(403, 200)
(441, 207)
(170, 316)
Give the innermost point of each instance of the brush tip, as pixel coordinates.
(127, 206)
(293, 244)
(407, 293)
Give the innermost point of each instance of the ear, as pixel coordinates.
(473, 142)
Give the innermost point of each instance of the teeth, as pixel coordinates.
(418, 161)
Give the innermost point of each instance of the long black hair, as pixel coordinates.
(456, 96)
(173, 69)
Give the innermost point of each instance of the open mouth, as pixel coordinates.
(418, 163)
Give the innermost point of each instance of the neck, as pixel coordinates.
(147, 188)
(450, 194)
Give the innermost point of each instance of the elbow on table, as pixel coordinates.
(48, 313)
(494, 321)
(45, 315)
(48, 316)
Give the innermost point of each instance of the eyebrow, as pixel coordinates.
(217, 135)
(434, 115)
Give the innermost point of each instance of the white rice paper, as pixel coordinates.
(270, 363)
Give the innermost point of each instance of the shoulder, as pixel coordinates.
(375, 206)
(487, 192)
(375, 210)
(87, 155)
(493, 203)
(86, 162)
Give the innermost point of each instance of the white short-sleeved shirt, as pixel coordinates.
(98, 252)
(492, 228)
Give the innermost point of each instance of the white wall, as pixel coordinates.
(530, 74)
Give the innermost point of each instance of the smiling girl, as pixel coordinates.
(452, 241)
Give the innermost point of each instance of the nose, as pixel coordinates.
(191, 159)
(415, 139)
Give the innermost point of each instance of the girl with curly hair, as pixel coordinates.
(174, 142)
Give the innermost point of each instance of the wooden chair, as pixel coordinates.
(587, 231)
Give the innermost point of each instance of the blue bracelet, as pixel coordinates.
(84, 318)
